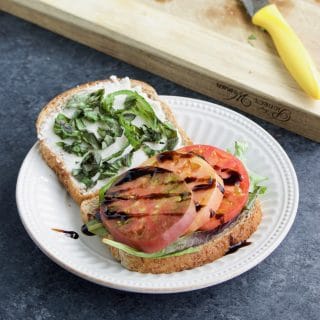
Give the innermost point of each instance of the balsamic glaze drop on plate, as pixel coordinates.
(70, 234)
(237, 246)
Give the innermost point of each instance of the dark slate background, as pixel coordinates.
(35, 65)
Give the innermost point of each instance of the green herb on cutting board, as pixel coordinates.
(251, 38)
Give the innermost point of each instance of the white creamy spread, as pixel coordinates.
(72, 161)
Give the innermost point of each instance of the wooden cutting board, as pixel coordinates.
(201, 44)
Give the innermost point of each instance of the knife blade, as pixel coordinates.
(290, 48)
(253, 6)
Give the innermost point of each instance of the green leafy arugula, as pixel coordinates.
(250, 38)
(240, 149)
(137, 253)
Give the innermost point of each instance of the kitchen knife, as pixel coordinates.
(290, 48)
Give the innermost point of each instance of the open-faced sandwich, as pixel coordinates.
(158, 202)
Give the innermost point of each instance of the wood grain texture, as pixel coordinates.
(202, 45)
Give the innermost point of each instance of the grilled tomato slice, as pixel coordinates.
(148, 208)
(235, 178)
(202, 180)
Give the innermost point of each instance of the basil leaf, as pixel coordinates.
(150, 135)
(106, 105)
(140, 107)
(107, 172)
(94, 99)
(171, 134)
(107, 141)
(83, 178)
(89, 167)
(130, 101)
(128, 116)
(80, 124)
(64, 128)
(113, 125)
(148, 151)
(77, 101)
(77, 114)
(91, 115)
(78, 148)
(125, 161)
(108, 169)
(102, 132)
(131, 132)
(82, 101)
(91, 163)
(90, 138)
(118, 153)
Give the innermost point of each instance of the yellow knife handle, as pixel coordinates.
(290, 48)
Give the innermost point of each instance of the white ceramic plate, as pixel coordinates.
(44, 204)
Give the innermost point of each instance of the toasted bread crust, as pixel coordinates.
(53, 160)
(216, 248)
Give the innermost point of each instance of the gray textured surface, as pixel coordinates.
(35, 65)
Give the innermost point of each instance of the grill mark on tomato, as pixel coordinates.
(136, 173)
(190, 179)
(184, 196)
(220, 216)
(193, 179)
(169, 155)
(212, 213)
(198, 206)
(235, 177)
(123, 216)
(204, 186)
(141, 186)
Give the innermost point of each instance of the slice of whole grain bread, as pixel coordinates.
(57, 164)
(240, 230)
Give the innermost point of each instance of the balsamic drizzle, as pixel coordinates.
(198, 206)
(212, 213)
(205, 186)
(234, 177)
(84, 230)
(183, 195)
(70, 234)
(169, 155)
(136, 173)
(237, 246)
